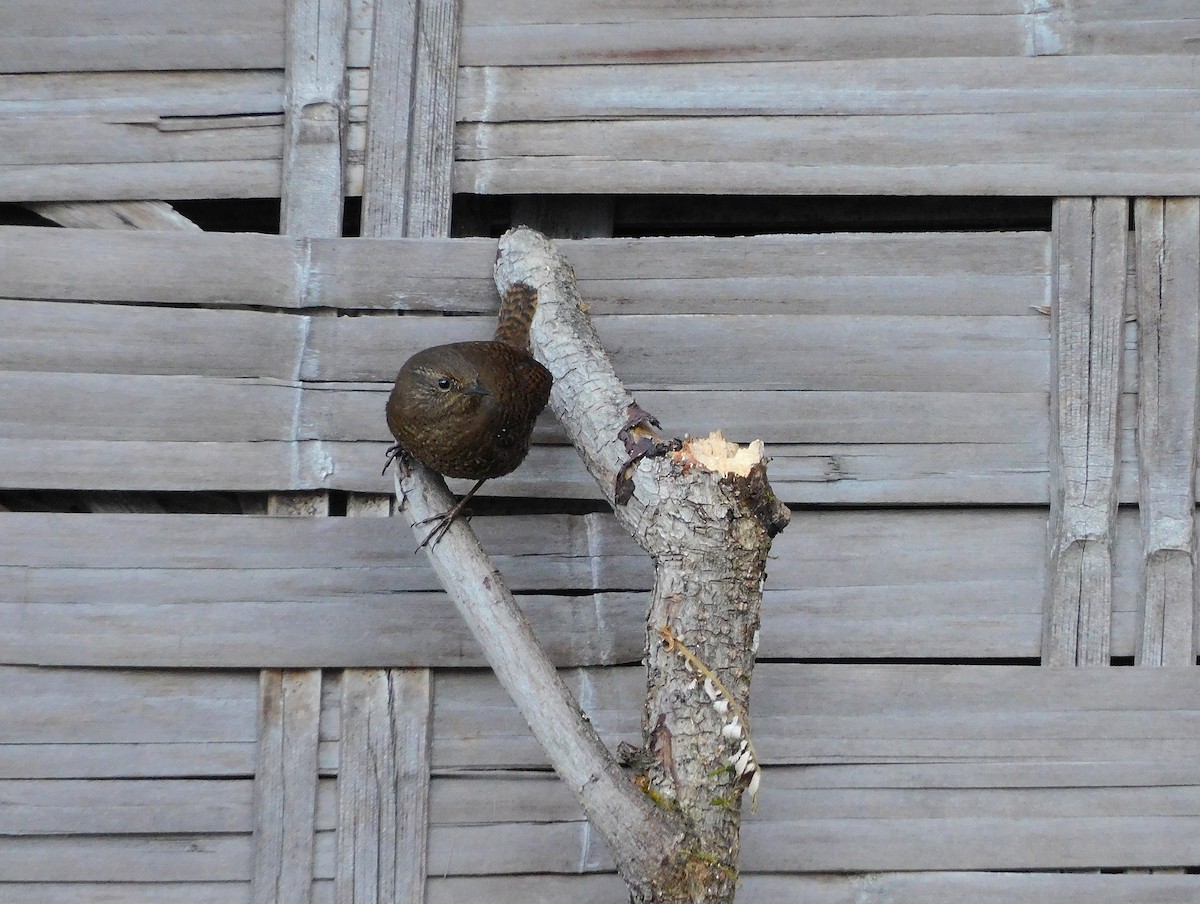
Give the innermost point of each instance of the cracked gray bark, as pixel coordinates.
(705, 513)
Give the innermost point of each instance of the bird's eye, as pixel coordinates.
(444, 383)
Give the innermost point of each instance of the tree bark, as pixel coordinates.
(704, 511)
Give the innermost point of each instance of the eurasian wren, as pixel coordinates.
(467, 409)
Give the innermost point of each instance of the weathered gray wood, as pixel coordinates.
(73, 338)
(884, 888)
(1072, 729)
(231, 590)
(96, 137)
(388, 163)
(315, 117)
(1119, 124)
(1075, 153)
(237, 178)
(604, 888)
(149, 858)
(184, 407)
(383, 786)
(410, 119)
(251, 35)
(953, 354)
(110, 761)
(142, 34)
(1087, 326)
(210, 270)
(312, 182)
(285, 786)
(125, 807)
(128, 707)
(1168, 307)
(930, 474)
(933, 273)
(946, 87)
(909, 829)
(406, 192)
(128, 892)
(833, 715)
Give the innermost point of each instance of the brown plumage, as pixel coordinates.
(467, 409)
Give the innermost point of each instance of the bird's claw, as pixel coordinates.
(444, 520)
(394, 451)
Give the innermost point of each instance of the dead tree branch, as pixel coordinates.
(704, 511)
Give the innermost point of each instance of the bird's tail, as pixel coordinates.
(516, 314)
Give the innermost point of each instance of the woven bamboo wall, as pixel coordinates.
(225, 677)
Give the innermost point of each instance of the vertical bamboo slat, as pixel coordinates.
(383, 775)
(1087, 324)
(315, 118)
(410, 119)
(383, 800)
(285, 791)
(285, 781)
(1168, 304)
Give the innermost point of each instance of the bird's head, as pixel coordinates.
(444, 380)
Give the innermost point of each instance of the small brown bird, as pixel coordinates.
(467, 409)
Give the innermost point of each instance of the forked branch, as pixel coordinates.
(704, 511)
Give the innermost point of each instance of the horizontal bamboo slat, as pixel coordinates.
(905, 768)
(887, 368)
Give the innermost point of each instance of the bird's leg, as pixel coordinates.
(447, 518)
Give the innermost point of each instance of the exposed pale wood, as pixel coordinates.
(285, 786)
(155, 215)
(1087, 325)
(315, 117)
(1168, 306)
(383, 786)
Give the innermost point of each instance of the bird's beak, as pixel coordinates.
(476, 388)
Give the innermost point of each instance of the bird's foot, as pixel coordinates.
(443, 522)
(445, 519)
(394, 452)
